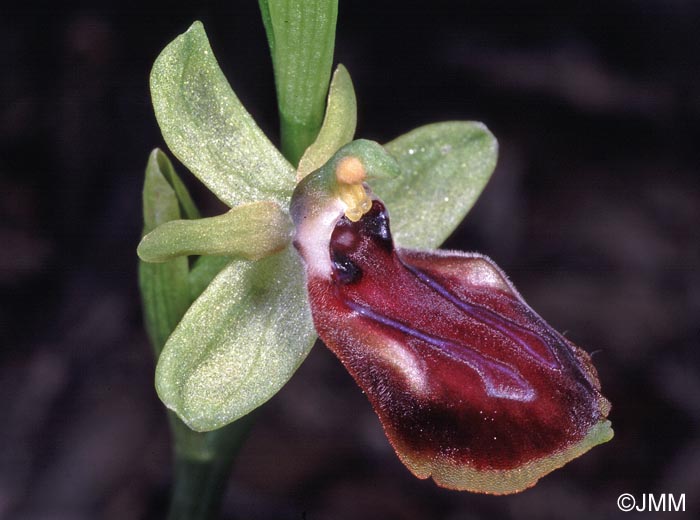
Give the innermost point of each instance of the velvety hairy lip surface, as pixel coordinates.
(472, 387)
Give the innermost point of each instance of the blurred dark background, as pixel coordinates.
(594, 211)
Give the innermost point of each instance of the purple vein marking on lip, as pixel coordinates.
(488, 317)
(517, 389)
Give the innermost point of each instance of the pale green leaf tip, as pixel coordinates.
(195, 29)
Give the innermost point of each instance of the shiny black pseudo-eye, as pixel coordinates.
(376, 224)
(345, 270)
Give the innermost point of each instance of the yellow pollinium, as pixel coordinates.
(350, 174)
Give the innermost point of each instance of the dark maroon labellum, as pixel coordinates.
(471, 385)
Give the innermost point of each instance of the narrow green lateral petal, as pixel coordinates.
(164, 287)
(301, 37)
(445, 168)
(209, 130)
(239, 343)
(250, 231)
(338, 127)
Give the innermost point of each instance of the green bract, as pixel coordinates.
(250, 326)
(301, 36)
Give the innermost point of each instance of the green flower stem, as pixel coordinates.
(202, 464)
(301, 36)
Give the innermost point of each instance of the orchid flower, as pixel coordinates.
(471, 386)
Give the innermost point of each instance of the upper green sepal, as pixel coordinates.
(209, 130)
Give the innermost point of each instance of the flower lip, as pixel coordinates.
(470, 384)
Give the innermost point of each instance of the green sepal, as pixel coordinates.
(188, 209)
(239, 343)
(203, 271)
(164, 287)
(301, 36)
(338, 127)
(250, 231)
(445, 167)
(209, 130)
